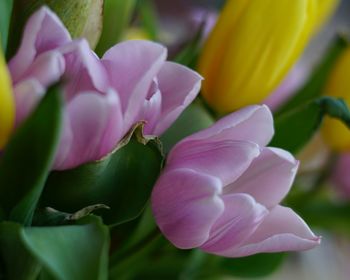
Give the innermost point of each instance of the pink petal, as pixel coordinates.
(151, 112)
(269, 178)
(179, 86)
(132, 66)
(84, 71)
(27, 95)
(252, 123)
(47, 68)
(186, 204)
(226, 160)
(92, 130)
(241, 218)
(282, 230)
(43, 32)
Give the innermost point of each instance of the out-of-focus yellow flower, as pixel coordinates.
(252, 47)
(7, 109)
(325, 8)
(136, 33)
(336, 134)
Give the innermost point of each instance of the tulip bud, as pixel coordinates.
(221, 187)
(337, 134)
(6, 103)
(83, 18)
(252, 47)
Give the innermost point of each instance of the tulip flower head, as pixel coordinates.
(221, 188)
(104, 97)
(253, 46)
(7, 108)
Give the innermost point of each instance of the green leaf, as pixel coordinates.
(122, 180)
(188, 55)
(259, 265)
(19, 264)
(295, 128)
(52, 217)
(327, 215)
(314, 87)
(65, 252)
(149, 18)
(116, 18)
(71, 252)
(193, 119)
(27, 159)
(5, 19)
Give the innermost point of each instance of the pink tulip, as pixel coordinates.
(104, 97)
(221, 188)
(341, 175)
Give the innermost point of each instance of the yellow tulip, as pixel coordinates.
(253, 46)
(7, 108)
(136, 33)
(336, 134)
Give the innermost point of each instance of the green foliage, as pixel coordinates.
(52, 217)
(189, 54)
(259, 265)
(296, 127)
(116, 18)
(27, 159)
(5, 19)
(193, 119)
(64, 252)
(123, 180)
(149, 18)
(314, 87)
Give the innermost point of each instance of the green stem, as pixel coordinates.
(123, 260)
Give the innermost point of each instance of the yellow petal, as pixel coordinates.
(252, 47)
(136, 33)
(336, 134)
(7, 110)
(325, 9)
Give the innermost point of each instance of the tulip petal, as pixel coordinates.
(132, 66)
(241, 218)
(252, 123)
(186, 214)
(92, 130)
(27, 95)
(151, 110)
(226, 160)
(46, 69)
(282, 230)
(177, 93)
(84, 71)
(269, 178)
(43, 32)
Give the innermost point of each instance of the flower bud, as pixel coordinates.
(253, 46)
(335, 133)
(82, 18)
(7, 110)
(221, 188)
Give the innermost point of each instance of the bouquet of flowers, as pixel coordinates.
(120, 159)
